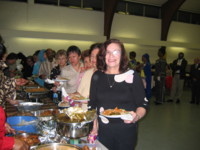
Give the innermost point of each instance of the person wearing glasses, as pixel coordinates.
(114, 86)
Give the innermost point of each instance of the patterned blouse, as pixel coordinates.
(7, 85)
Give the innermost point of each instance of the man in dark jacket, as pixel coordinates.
(195, 77)
(178, 72)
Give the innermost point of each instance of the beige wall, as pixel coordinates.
(142, 35)
(28, 27)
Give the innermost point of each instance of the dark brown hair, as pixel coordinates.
(84, 54)
(101, 63)
(94, 46)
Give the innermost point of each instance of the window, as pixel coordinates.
(16, 0)
(195, 19)
(184, 17)
(152, 11)
(76, 3)
(49, 2)
(175, 17)
(94, 4)
(135, 9)
(121, 7)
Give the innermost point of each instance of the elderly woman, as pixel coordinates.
(7, 93)
(61, 59)
(73, 70)
(113, 85)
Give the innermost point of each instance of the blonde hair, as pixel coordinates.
(61, 52)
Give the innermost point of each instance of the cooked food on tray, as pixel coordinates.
(115, 111)
(31, 139)
(85, 147)
(34, 90)
(76, 114)
(77, 97)
(49, 113)
(63, 104)
(23, 114)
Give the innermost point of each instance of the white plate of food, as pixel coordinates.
(63, 105)
(115, 113)
(79, 98)
(61, 79)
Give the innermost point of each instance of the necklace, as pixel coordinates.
(110, 85)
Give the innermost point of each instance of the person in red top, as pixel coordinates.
(7, 88)
(9, 143)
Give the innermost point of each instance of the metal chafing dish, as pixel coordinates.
(45, 114)
(29, 86)
(36, 90)
(56, 146)
(34, 94)
(29, 106)
(75, 129)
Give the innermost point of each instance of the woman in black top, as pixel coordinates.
(28, 67)
(113, 85)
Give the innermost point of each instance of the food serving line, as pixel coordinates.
(42, 124)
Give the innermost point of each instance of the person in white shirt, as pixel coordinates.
(72, 71)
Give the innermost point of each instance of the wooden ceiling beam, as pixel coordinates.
(168, 10)
(109, 11)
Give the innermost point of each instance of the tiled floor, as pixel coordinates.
(171, 126)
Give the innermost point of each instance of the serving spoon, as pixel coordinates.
(104, 119)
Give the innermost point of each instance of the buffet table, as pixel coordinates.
(48, 104)
(13, 111)
(97, 144)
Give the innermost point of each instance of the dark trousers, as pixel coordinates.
(196, 92)
(160, 90)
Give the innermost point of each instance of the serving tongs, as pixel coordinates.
(28, 123)
(66, 96)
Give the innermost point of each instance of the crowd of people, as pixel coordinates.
(104, 74)
(171, 77)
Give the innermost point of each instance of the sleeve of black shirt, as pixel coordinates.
(138, 89)
(93, 90)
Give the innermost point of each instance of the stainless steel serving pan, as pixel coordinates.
(36, 90)
(38, 113)
(29, 106)
(56, 146)
(74, 130)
